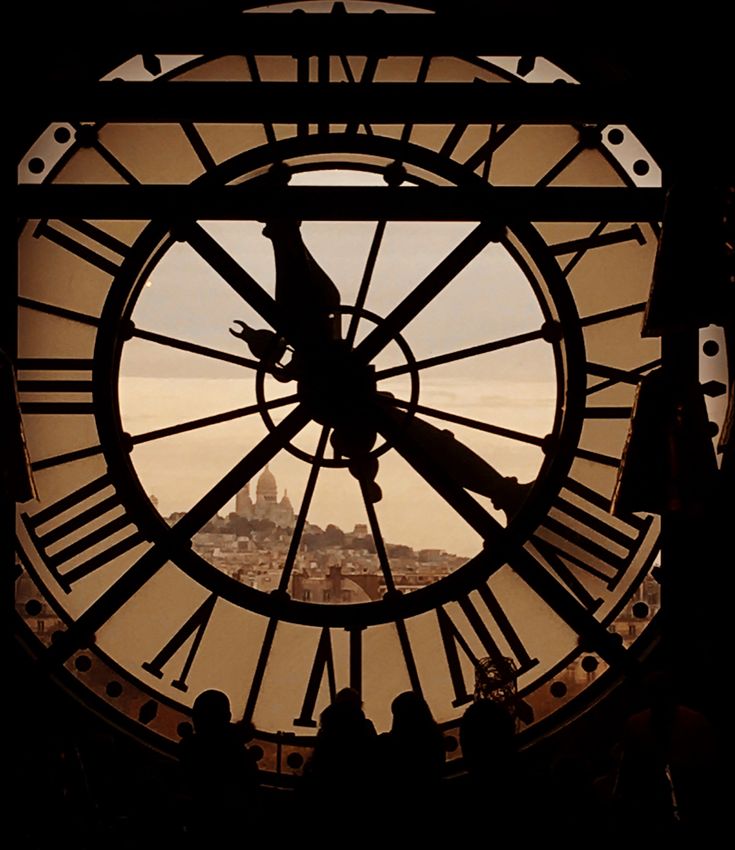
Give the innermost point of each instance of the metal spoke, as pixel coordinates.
(304, 511)
(194, 348)
(106, 153)
(198, 145)
(425, 292)
(81, 633)
(510, 433)
(365, 282)
(461, 354)
(377, 538)
(215, 419)
(234, 275)
(563, 163)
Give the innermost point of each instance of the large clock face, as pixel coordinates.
(445, 403)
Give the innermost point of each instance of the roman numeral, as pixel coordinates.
(597, 239)
(356, 658)
(29, 387)
(581, 540)
(323, 663)
(482, 155)
(509, 667)
(81, 531)
(61, 312)
(324, 75)
(257, 683)
(408, 657)
(87, 241)
(65, 457)
(195, 626)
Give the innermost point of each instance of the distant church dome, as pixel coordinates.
(286, 502)
(267, 489)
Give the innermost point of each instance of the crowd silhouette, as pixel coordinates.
(660, 784)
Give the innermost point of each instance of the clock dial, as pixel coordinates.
(446, 403)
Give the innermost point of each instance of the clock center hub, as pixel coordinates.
(336, 387)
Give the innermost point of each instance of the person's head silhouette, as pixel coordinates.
(487, 736)
(211, 712)
(411, 713)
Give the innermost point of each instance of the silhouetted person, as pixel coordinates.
(495, 798)
(341, 772)
(219, 773)
(667, 784)
(412, 753)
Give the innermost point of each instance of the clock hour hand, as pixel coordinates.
(459, 462)
(305, 293)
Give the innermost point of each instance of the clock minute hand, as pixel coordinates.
(463, 465)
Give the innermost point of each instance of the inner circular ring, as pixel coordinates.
(386, 444)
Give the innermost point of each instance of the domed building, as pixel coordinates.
(266, 489)
(266, 504)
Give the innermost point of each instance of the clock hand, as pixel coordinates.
(304, 291)
(465, 466)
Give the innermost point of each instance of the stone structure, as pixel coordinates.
(266, 504)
